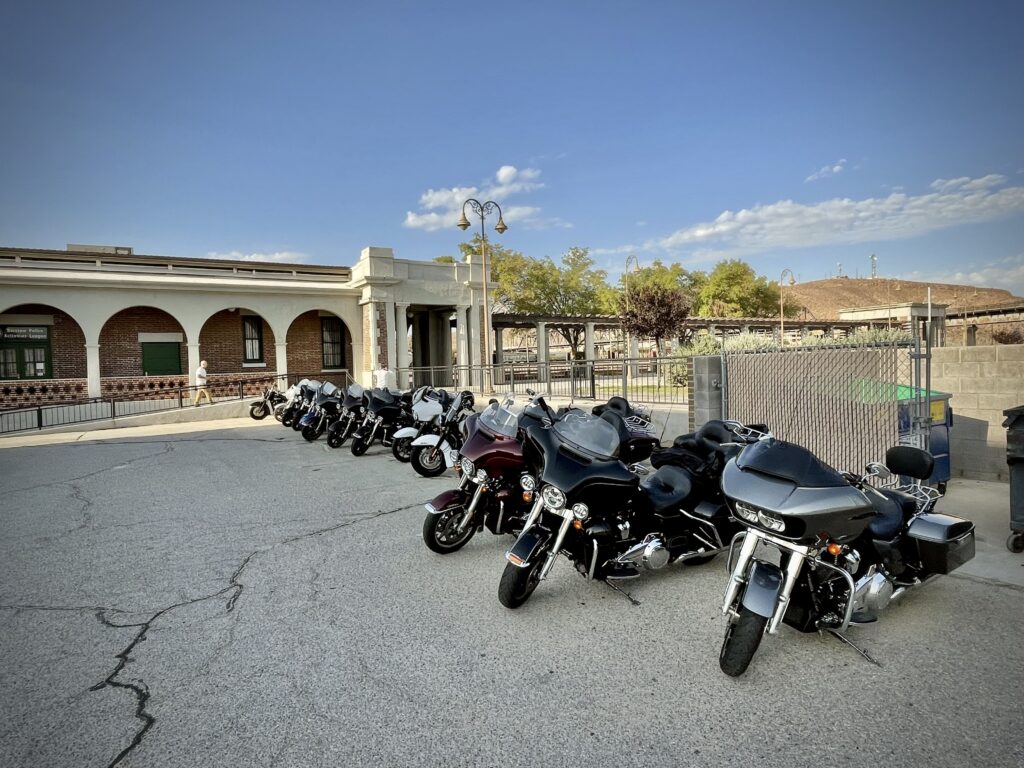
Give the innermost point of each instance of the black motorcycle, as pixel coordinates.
(592, 507)
(847, 549)
(292, 404)
(353, 409)
(387, 412)
(265, 406)
(325, 411)
(303, 403)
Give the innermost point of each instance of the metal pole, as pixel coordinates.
(487, 307)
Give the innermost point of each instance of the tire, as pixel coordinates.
(426, 466)
(310, 433)
(401, 449)
(334, 438)
(742, 637)
(259, 411)
(359, 446)
(297, 422)
(279, 414)
(440, 534)
(517, 584)
(1016, 542)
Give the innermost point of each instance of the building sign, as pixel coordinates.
(23, 333)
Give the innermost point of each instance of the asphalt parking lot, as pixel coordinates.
(239, 597)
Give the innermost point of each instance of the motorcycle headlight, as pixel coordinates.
(467, 467)
(770, 521)
(746, 512)
(580, 511)
(553, 497)
(481, 475)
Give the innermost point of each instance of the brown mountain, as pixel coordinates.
(822, 299)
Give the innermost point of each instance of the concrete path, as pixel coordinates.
(239, 597)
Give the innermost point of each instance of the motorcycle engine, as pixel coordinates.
(874, 590)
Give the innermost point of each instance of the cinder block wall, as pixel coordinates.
(984, 381)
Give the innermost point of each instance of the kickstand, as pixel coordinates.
(628, 596)
(853, 645)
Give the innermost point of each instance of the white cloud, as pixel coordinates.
(285, 257)
(441, 208)
(1006, 273)
(828, 170)
(787, 224)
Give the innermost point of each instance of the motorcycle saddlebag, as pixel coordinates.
(944, 542)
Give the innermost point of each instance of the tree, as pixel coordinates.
(733, 289)
(541, 287)
(444, 259)
(642, 286)
(654, 309)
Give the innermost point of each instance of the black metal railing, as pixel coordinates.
(41, 416)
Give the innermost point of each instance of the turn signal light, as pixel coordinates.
(515, 560)
(527, 495)
(835, 549)
(577, 524)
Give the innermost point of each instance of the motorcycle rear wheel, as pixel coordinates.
(258, 410)
(426, 465)
(401, 449)
(742, 637)
(440, 531)
(517, 584)
(359, 446)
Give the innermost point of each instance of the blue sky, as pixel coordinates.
(792, 135)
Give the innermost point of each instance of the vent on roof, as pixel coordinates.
(111, 250)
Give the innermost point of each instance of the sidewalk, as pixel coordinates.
(31, 439)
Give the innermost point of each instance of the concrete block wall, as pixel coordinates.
(704, 397)
(983, 382)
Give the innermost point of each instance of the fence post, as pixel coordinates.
(113, 408)
(181, 403)
(39, 416)
(625, 369)
(593, 382)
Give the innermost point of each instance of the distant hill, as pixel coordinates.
(824, 298)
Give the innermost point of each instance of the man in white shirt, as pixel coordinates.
(201, 390)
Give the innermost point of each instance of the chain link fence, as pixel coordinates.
(846, 404)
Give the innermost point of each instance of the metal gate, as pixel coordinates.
(846, 404)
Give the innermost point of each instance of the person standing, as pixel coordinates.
(201, 389)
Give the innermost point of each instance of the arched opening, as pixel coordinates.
(238, 340)
(319, 342)
(42, 356)
(143, 350)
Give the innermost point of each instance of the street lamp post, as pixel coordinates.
(782, 303)
(482, 210)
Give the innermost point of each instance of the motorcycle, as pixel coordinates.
(386, 413)
(291, 405)
(304, 402)
(325, 411)
(267, 404)
(434, 453)
(428, 405)
(493, 491)
(847, 549)
(353, 410)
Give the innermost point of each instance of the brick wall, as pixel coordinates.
(222, 344)
(984, 381)
(367, 362)
(120, 350)
(22, 394)
(305, 345)
(67, 342)
(380, 310)
(169, 387)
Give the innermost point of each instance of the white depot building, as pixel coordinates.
(93, 321)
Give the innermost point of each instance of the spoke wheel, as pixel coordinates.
(517, 584)
(427, 460)
(401, 449)
(441, 530)
(742, 637)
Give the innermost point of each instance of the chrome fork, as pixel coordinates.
(562, 530)
(471, 509)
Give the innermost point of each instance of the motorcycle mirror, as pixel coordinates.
(879, 470)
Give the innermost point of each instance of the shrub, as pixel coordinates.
(1008, 336)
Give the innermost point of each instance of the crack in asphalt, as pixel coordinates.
(168, 448)
(139, 689)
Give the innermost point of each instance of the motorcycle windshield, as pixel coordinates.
(419, 394)
(453, 410)
(790, 462)
(354, 390)
(588, 433)
(499, 420)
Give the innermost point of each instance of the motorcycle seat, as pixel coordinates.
(892, 509)
(667, 489)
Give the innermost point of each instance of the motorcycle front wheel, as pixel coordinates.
(427, 460)
(310, 432)
(517, 584)
(742, 637)
(297, 423)
(401, 449)
(258, 410)
(441, 531)
(359, 446)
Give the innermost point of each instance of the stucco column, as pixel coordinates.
(194, 359)
(370, 333)
(389, 326)
(92, 369)
(588, 341)
(281, 360)
(542, 351)
(462, 336)
(402, 336)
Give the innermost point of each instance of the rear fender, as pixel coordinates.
(529, 546)
(764, 585)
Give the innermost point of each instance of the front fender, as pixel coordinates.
(406, 432)
(425, 439)
(764, 584)
(530, 545)
(456, 497)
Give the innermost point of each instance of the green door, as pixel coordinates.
(161, 358)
